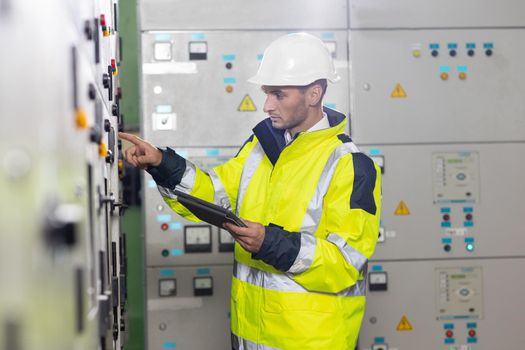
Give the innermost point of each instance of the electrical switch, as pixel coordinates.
(202, 286)
(378, 281)
(167, 287)
(162, 51)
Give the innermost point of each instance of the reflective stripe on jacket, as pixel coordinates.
(319, 198)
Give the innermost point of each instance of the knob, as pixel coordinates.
(105, 80)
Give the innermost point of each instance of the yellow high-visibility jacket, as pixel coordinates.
(319, 198)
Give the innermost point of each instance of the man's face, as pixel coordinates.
(286, 106)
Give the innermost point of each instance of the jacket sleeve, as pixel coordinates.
(219, 186)
(336, 258)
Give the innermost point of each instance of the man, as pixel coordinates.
(310, 201)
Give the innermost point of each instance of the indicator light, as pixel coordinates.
(165, 253)
(434, 53)
(416, 53)
(453, 53)
(449, 334)
(446, 217)
(472, 333)
(164, 227)
(470, 247)
(447, 247)
(229, 65)
(471, 52)
(444, 76)
(81, 119)
(462, 76)
(229, 89)
(488, 52)
(469, 217)
(102, 150)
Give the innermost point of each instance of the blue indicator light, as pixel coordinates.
(448, 326)
(468, 210)
(375, 151)
(164, 109)
(228, 57)
(488, 45)
(468, 223)
(229, 80)
(462, 69)
(433, 46)
(446, 240)
(444, 69)
(198, 36)
(377, 268)
(176, 252)
(175, 226)
(167, 272)
(203, 271)
(446, 224)
(470, 247)
(183, 154)
(163, 218)
(212, 152)
(471, 45)
(379, 340)
(445, 210)
(162, 37)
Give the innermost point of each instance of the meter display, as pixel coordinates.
(226, 241)
(202, 286)
(197, 239)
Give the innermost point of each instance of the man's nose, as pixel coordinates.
(268, 105)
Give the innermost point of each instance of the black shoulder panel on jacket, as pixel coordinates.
(280, 248)
(364, 183)
(272, 140)
(344, 138)
(250, 139)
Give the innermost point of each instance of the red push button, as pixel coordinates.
(449, 334)
(164, 226)
(472, 333)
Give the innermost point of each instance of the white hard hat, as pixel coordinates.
(296, 59)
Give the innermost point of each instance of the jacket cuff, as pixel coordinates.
(169, 172)
(280, 248)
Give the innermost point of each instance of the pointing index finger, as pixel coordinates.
(131, 138)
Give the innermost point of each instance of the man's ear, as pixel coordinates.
(315, 93)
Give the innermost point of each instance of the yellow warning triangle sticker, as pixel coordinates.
(247, 104)
(398, 92)
(404, 324)
(402, 209)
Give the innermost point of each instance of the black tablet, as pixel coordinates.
(206, 211)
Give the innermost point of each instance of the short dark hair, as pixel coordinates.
(321, 82)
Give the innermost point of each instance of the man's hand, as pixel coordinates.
(142, 154)
(250, 238)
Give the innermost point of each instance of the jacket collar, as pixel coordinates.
(273, 142)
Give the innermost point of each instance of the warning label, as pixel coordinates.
(402, 209)
(404, 324)
(398, 92)
(247, 104)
